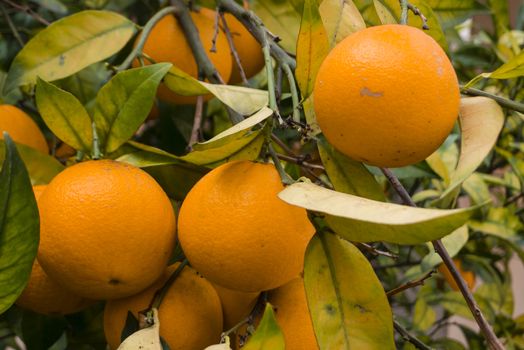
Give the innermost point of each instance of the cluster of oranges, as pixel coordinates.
(108, 230)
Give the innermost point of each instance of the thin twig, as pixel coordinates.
(286, 179)
(197, 122)
(409, 337)
(29, 11)
(233, 49)
(411, 284)
(504, 102)
(161, 293)
(300, 161)
(369, 248)
(215, 33)
(282, 145)
(417, 12)
(486, 330)
(12, 27)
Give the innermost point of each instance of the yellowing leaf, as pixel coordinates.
(341, 18)
(312, 47)
(64, 115)
(364, 220)
(268, 334)
(481, 120)
(41, 167)
(144, 339)
(245, 101)
(348, 175)
(348, 305)
(389, 11)
(512, 69)
(69, 45)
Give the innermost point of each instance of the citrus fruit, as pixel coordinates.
(167, 43)
(236, 305)
(190, 314)
(248, 49)
(236, 231)
(292, 314)
(21, 128)
(387, 96)
(468, 276)
(107, 229)
(43, 295)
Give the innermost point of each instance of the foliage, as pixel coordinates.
(61, 60)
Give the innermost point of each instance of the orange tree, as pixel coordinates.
(295, 234)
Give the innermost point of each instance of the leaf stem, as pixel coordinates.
(161, 293)
(95, 152)
(270, 76)
(286, 179)
(294, 92)
(137, 51)
(233, 49)
(403, 11)
(504, 102)
(486, 330)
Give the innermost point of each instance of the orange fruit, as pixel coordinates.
(21, 128)
(43, 295)
(190, 314)
(248, 49)
(236, 231)
(292, 314)
(387, 96)
(107, 229)
(468, 276)
(236, 305)
(64, 151)
(167, 43)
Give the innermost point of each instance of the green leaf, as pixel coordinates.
(481, 120)
(312, 47)
(69, 45)
(347, 175)
(85, 84)
(245, 101)
(389, 12)
(516, 163)
(281, 19)
(19, 226)
(41, 167)
(124, 102)
(268, 334)
(64, 115)
(178, 179)
(453, 243)
(53, 6)
(348, 305)
(500, 222)
(341, 18)
(365, 220)
(514, 68)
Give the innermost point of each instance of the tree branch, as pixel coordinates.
(491, 339)
(411, 284)
(504, 102)
(409, 337)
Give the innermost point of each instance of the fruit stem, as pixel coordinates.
(270, 78)
(286, 179)
(491, 339)
(137, 51)
(294, 93)
(410, 284)
(161, 293)
(95, 152)
(403, 12)
(504, 102)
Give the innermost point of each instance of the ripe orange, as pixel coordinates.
(292, 313)
(43, 295)
(248, 49)
(190, 314)
(387, 96)
(236, 231)
(21, 128)
(468, 276)
(107, 229)
(167, 43)
(236, 305)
